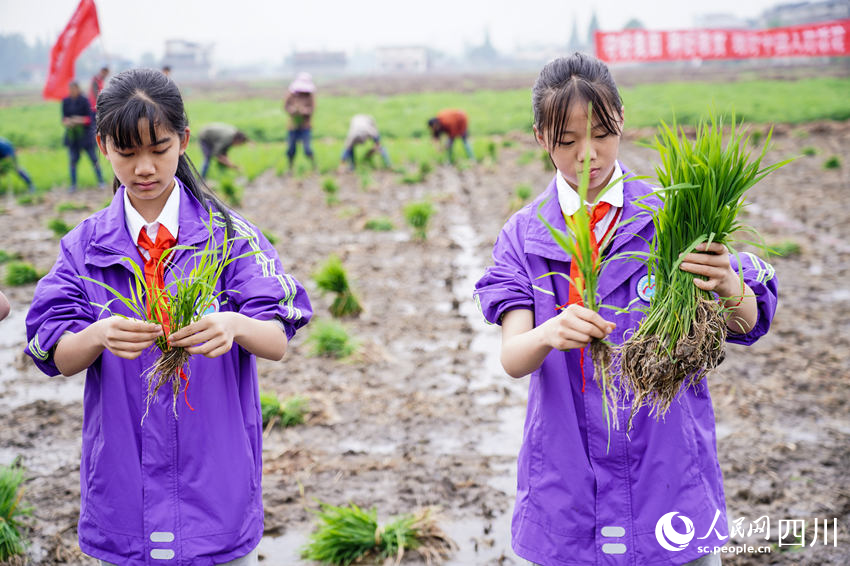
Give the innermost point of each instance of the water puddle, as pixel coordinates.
(21, 382)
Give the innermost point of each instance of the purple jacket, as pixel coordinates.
(575, 503)
(188, 489)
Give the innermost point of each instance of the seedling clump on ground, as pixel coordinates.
(331, 277)
(330, 339)
(346, 535)
(12, 511)
(418, 214)
(20, 273)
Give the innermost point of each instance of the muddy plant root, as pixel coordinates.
(166, 369)
(602, 354)
(653, 374)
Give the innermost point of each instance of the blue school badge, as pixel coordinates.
(212, 305)
(646, 287)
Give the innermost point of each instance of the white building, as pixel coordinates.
(402, 59)
(188, 60)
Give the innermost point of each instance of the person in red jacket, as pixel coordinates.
(454, 124)
(97, 83)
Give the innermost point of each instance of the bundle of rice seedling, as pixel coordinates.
(578, 245)
(11, 511)
(351, 534)
(182, 302)
(418, 214)
(683, 335)
(331, 276)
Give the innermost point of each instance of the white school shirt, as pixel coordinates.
(168, 217)
(569, 200)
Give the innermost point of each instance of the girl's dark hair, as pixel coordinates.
(579, 78)
(145, 93)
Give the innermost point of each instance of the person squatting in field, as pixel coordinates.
(185, 487)
(216, 140)
(78, 119)
(361, 129)
(454, 124)
(300, 104)
(573, 490)
(8, 160)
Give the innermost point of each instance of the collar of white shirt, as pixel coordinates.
(168, 217)
(568, 197)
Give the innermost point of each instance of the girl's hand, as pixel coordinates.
(575, 327)
(211, 336)
(126, 338)
(712, 261)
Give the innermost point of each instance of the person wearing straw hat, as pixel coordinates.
(300, 104)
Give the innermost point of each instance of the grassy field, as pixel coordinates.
(37, 133)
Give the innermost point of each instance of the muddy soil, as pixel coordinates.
(423, 415)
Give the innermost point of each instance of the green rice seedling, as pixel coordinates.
(269, 407)
(69, 206)
(546, 161)
(576, 242)
(290, 412)
(20, 273)
(412, 177)
(379, 224)
(330, 339)
(331, 188)
(6, 257)
(182, 302)
(365, 176)
(331, 277)
(30, 199)
(58, 226)
(270, 237)
(527, 157)
(521, 196)
(755, 137)
(418, 214)
(231, 191)
(346, 535)
(785, 248)
(704, 183)
(832, 163)
(293, 410)
(492, 150)
(809, 151)
(12, 511)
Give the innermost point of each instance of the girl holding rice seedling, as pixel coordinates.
(186, 485)
(588, 490)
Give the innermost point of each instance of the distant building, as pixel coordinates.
(188, 60)
(805, 13)
(317, 61)
(721, 21)
(403, 59)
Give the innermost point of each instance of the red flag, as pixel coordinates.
(79, 32)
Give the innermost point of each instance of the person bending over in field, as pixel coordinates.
(454, 124)
(8, 161)
(216, 140)
(362, 129)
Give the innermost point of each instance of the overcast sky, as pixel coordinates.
(254, 30)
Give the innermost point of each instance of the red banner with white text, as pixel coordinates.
(825, 39)
(80, 31)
